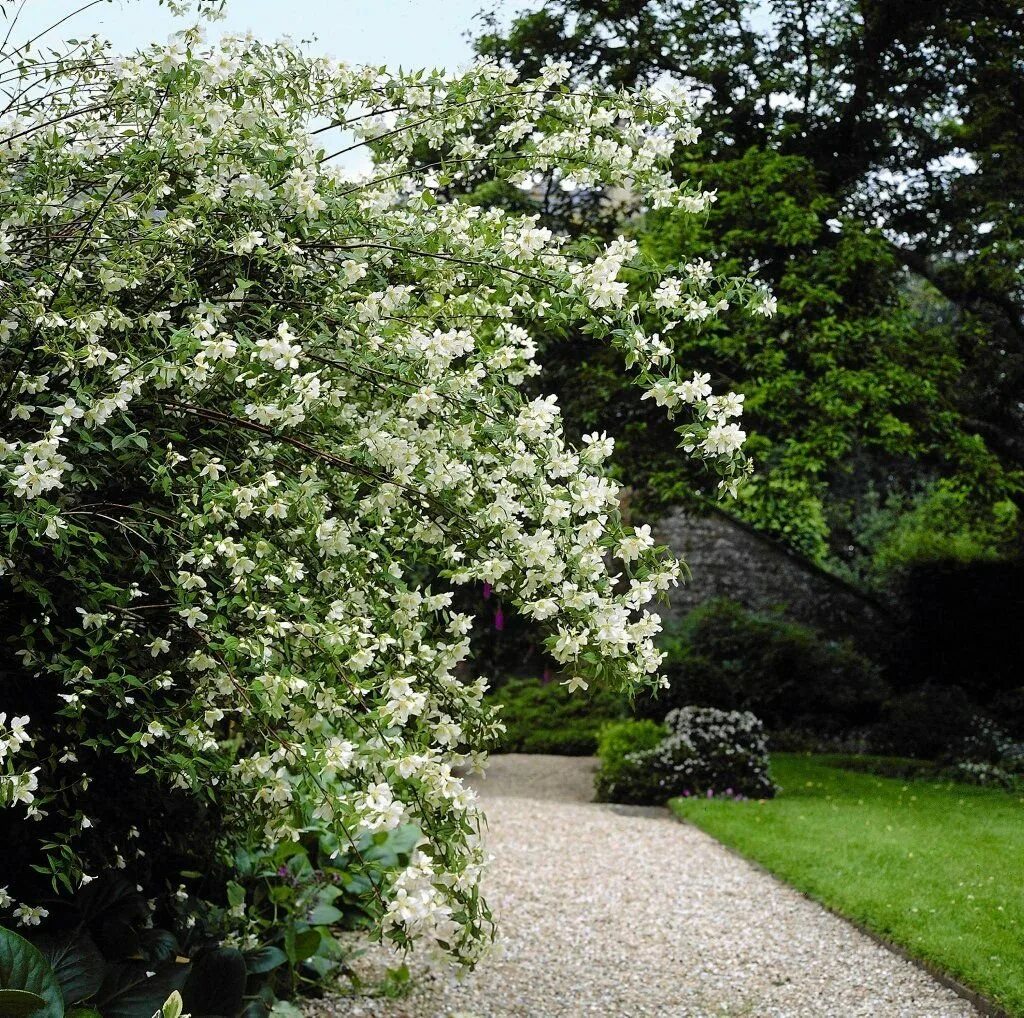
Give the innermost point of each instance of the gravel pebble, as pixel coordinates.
(612, 911)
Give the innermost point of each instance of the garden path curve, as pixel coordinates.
(624, 913)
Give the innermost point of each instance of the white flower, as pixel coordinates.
(28, 915)
(723, 439)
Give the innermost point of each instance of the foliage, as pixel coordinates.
(616, 742)
(28, 984)
(264, 418)
(941, 521)
(987, 755)
(705, 752)
(929, 865)
(270, 936)
(283, 905)
(96, 957)
(544, 717)
(981, 652)
(787, 674)
(926, 722)
(898, 356)
(902, 767)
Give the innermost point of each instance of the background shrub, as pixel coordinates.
(543, 717)
(926, 723)
(960, 626)
(705, 752)
(617, 741)
(787, 674)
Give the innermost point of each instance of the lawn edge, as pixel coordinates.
(983, 1005)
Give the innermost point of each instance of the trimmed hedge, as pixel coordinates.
(543, 717)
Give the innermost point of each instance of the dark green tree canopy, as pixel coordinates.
(868, 157)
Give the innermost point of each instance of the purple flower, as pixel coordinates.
(499, 619)
(487, 591)
(711, 793)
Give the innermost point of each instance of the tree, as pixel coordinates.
(264, 419)
(886, 136)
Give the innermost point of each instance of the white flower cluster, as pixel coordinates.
(263, 419)
(706, 751)
(16, 785)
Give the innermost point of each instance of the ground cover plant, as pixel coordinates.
(262, 420)
(933, 866)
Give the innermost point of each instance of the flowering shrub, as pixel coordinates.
(987, 756)
(262, 417)
(705, 752)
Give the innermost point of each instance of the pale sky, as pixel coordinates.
(406, 33)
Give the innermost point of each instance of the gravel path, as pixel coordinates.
(625, 913)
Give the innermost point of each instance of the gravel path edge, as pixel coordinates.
(982, 1004)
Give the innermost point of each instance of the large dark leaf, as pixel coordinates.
(158, 945)
(76, 962)
(216, 984)
(264, 959)
(112, 897)
(23, 967)
(256, 1009)
(137, 989)
(20, 1004)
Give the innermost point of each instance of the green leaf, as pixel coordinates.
(159, 945)
(236, 894)
(285, 1009)
(306, 944)
(20, 1004)
(23, 967)
(324, 915)
(216, 984)
(264, 959)
(173, 1006)
(76, 962)
(134, 989)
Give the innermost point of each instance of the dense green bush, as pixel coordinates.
(959, 625)
(927, 723)
(616, 743)
(787, 674)
(232, 948)
(704, 751)
(544, 717)
(941, 724)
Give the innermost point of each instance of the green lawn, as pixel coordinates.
(935, 867)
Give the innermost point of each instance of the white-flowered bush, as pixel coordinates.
(262, 419)
(705, 751)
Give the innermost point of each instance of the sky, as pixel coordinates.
(406, 33)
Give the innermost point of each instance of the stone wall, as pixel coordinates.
(730, 559)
